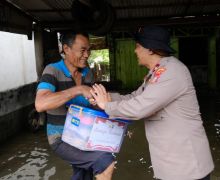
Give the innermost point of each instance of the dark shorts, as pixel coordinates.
(85, 164)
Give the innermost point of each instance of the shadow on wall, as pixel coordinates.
(15, 105)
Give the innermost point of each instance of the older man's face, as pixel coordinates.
(79, 52)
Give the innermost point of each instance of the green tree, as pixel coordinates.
(101, 55)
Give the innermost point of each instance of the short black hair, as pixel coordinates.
(161, 53)
(68, 37)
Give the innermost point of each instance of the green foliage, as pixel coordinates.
(99, 56)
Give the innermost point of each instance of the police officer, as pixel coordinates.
(167, 101)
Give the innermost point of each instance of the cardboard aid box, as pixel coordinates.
(88, 129)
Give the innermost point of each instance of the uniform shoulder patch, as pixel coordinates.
(157, 74)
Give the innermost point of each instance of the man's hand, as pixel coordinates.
(92, 101)
(85, 91)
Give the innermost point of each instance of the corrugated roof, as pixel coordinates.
(56, 14)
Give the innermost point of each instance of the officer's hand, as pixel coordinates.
(100, 95)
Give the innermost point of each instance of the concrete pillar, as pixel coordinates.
(174, 43)
(38, 42)
(212, 79)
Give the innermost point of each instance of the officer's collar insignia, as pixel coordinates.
(157, 74)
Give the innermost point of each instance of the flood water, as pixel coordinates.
(28, 156)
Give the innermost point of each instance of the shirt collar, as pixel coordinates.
(65, 69)
(68, 73)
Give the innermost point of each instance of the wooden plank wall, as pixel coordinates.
(126, 66)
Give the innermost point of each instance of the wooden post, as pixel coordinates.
(212, 61)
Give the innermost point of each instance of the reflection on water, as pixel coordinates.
(28, 165)
(30, 168)
(28, 156)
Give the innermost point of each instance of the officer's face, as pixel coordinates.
(78, 53)
(142, 55)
